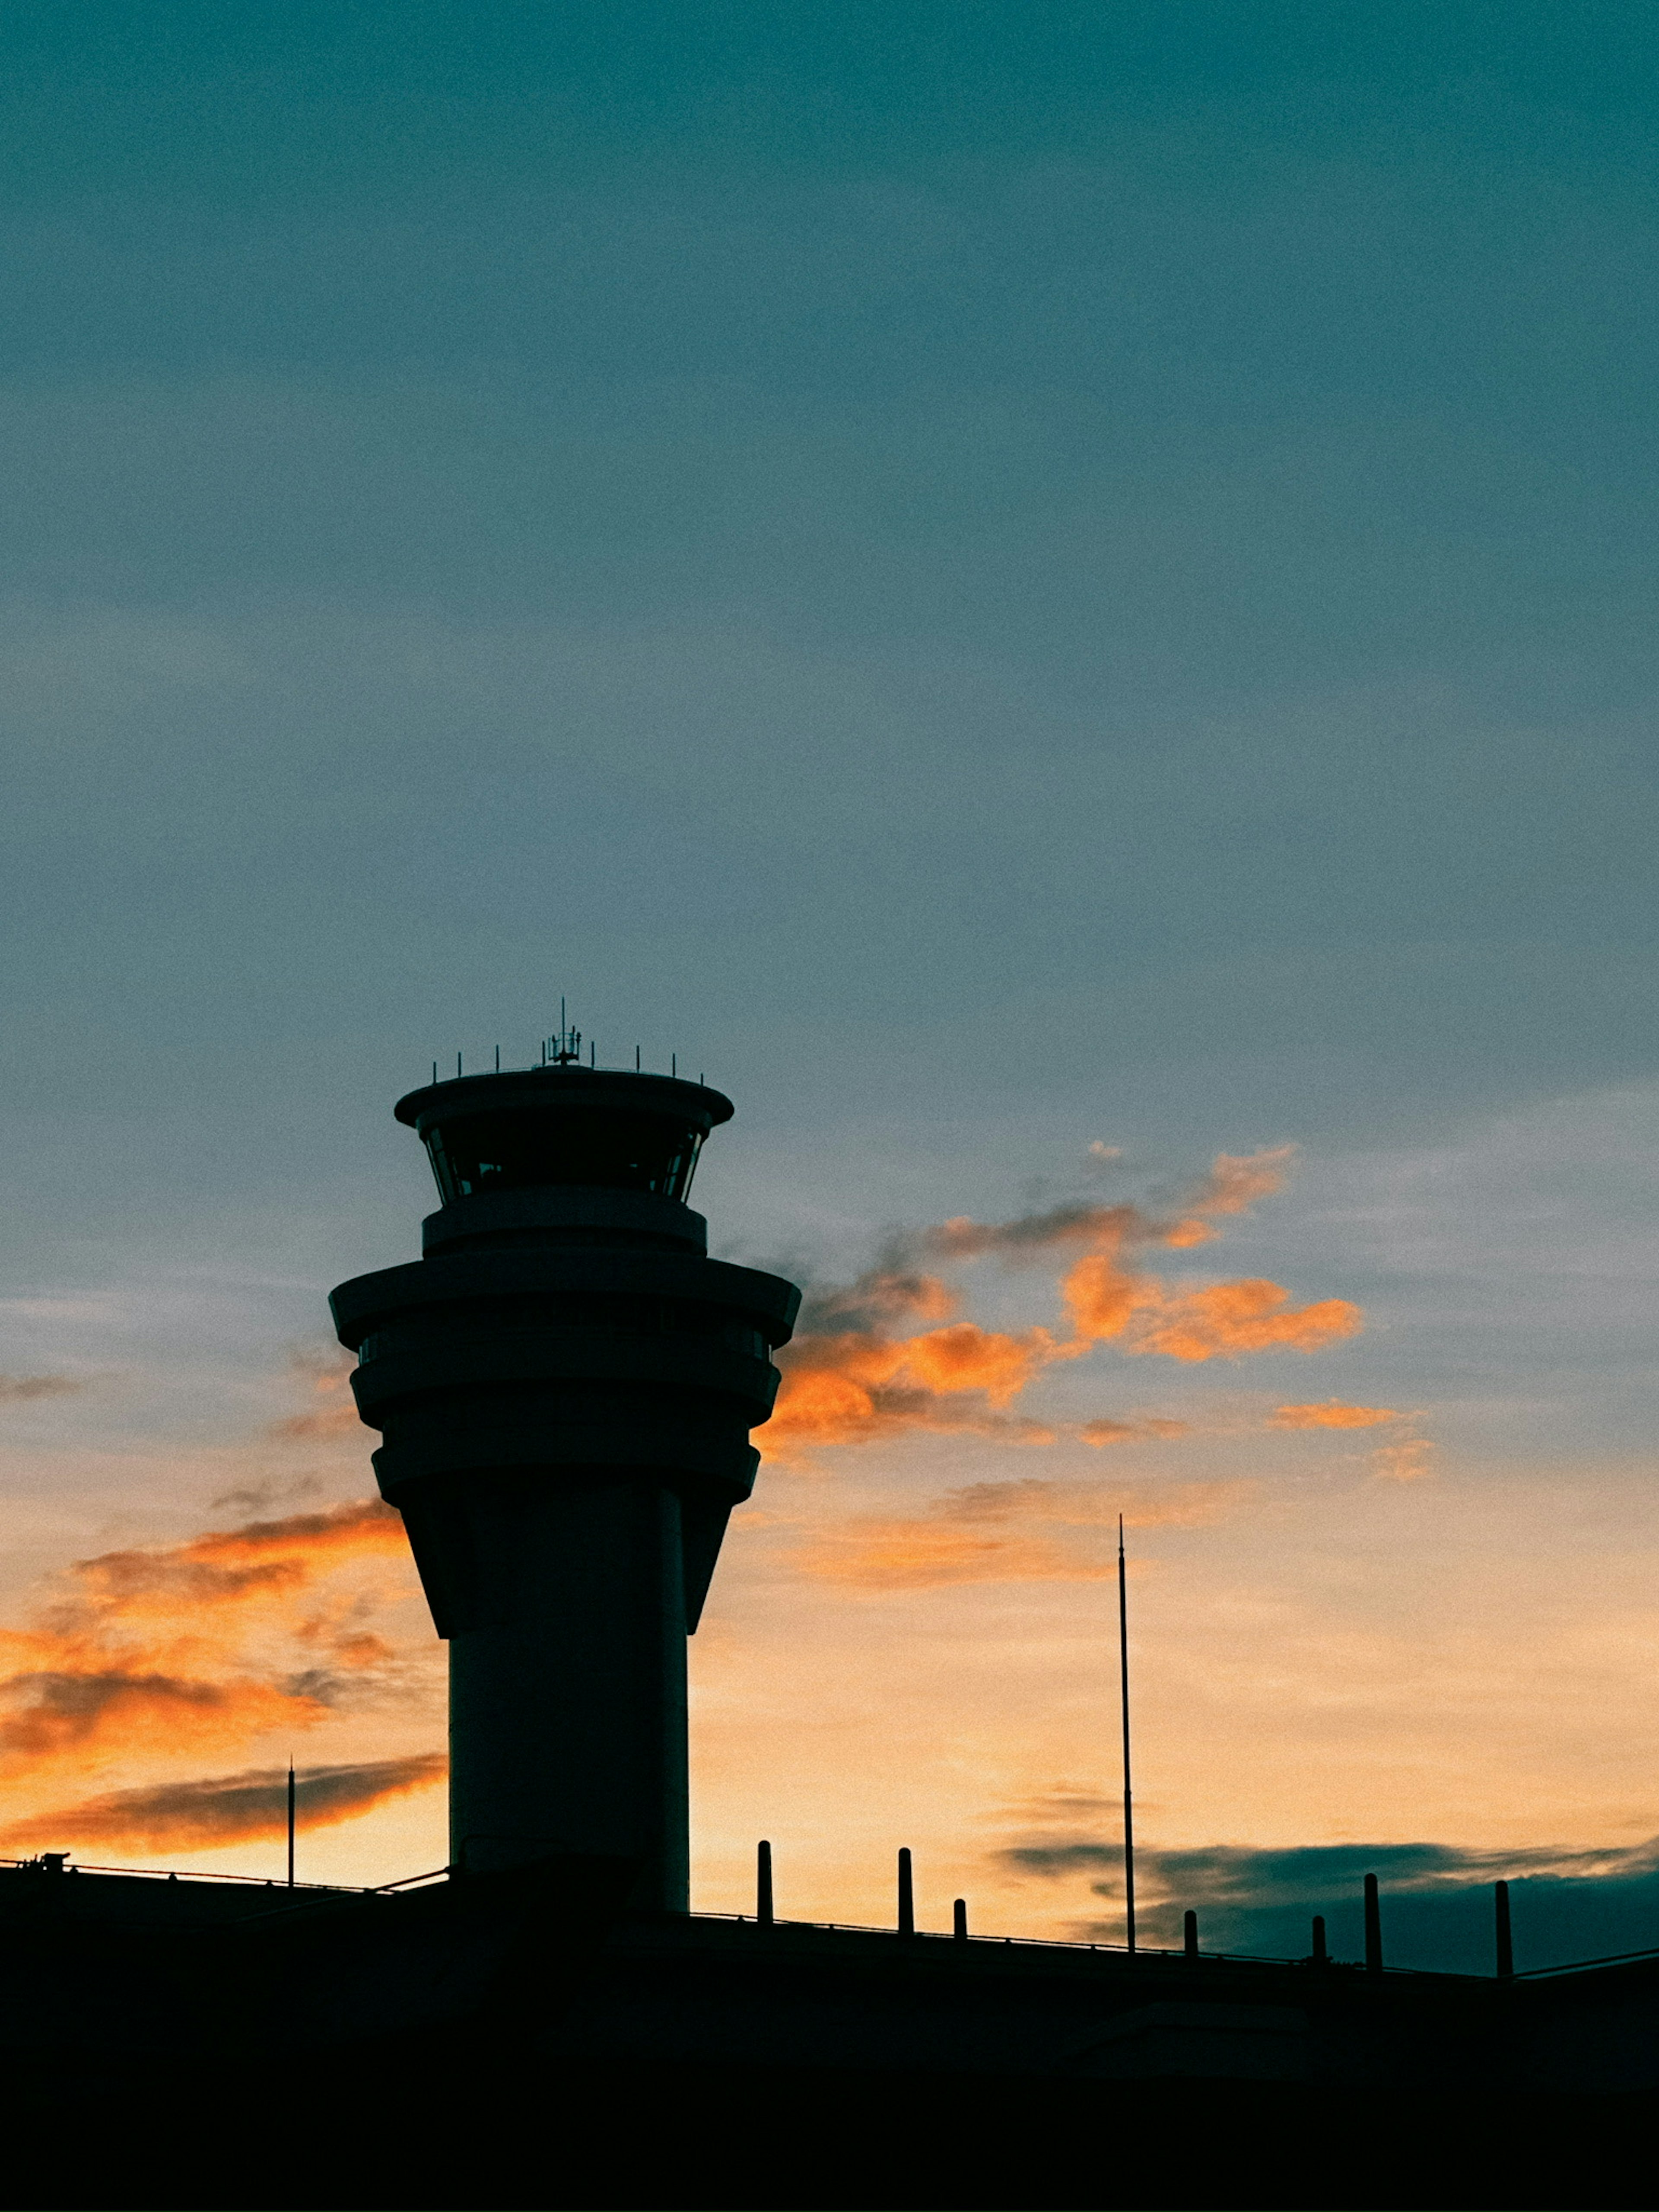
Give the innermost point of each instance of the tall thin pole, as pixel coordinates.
(1129, 1793)
(291, 1824)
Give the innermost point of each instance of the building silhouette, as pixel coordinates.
(565, 1385)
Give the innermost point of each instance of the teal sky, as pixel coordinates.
(992, 576)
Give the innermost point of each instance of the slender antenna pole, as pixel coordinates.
(291, 1824)
(1129, 1793)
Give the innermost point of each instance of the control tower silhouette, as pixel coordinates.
(564, 1386)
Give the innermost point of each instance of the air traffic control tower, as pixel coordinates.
(564, 1386)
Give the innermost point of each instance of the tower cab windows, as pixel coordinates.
(602, 1149)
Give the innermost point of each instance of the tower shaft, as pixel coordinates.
(567, 1716)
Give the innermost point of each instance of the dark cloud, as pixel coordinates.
(59, 1712)
(881, 1295)
(1437, 1910)
(18, 1389)
(1090, 1228)
(260, 1497)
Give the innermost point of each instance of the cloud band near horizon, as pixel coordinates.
(212, 1812)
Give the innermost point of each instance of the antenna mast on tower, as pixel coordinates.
(566, 1047)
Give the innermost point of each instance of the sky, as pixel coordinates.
(1060, 597)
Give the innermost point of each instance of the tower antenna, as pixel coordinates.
(291, 1824)
(1129, 1793)
(567, 1046)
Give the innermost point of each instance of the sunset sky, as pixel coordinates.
(1062, 598)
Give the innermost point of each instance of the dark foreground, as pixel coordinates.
(521, 2040)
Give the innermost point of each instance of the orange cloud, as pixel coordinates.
(1236, 1180)
(849, 1378)
(233, 1565)
(1123, 1432)
(891, 1555)
(1332, 1415)
(324, 1421)
(308, 1543)
(194, 1647)
(1106, 1301)
(74, 1714)
(1181, 1235)
(1102, 1297)
(232, 1808)
(857, 1386)
(1230, 1318)
(965, 1357)
(328, 1371)
(1001, 1532)
(1406, 1462)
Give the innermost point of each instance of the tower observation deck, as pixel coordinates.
(564, 1386)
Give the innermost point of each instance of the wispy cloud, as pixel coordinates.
(207, 1814)
(1220, 1322)
(1332, 1414)
(1003, 1532)
(1410, 1461)
(1227, 1319)
(325, 1372)
(19, 1390)
(1103, 1432)
(1237, 1180)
